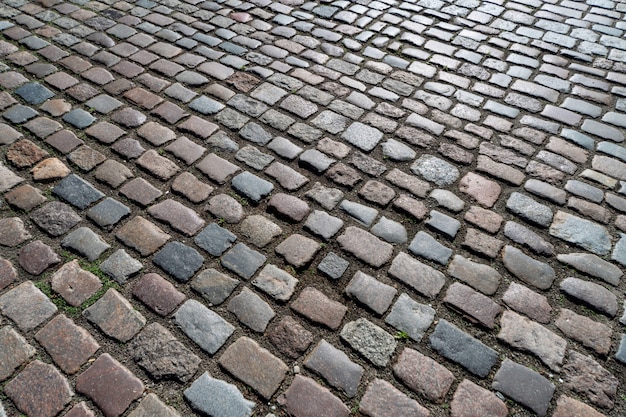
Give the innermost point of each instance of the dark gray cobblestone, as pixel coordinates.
(325, 182)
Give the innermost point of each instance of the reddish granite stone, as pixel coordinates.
(110, 385)
(158, 294)
(69, 345)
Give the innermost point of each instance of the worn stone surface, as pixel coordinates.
(582, 374)
(115, 316)
(423, 375)
(369, 340)
(157, 351)
(466, 155)
(525, 334)
(254, 365)
(203, 326)
(381, 399)
(471, 400)
(110, 385)
(335, 367)
(27, 306)
(26, 389)
(524, 386)
(592, 294)
(213, 396)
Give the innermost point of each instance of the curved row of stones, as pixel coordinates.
(379, 207)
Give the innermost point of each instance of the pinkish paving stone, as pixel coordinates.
(526, 301)
(485, 219)
(110, 385)
(105, 132)
(583, 375)
(115, 316)
(317, 307)
(158, 294)
(8, 274)
(298, 250)
(570, 407)
(588, 332)
(254, 365)
(423, 375)
(36, 257)
(42, 127)
(177, 216)
(382, 399)
(216, 168)
(64, 141)
(365, 246)
(185, 149)
(411, 206)
(80, 410)
(140, 191)
(377, 192)
(157, 165)
(482, 243)
(290, 207)
(8, 135)
(69, 345)
(287, 177)
(56, 108)
(74, 284)
(142, 235)
(50, 169)
(13, 232)
(26, 390)
(471, 400)
(25, 153)
(306, 398)
(477, 307)
(128, 117)
(15, 351)
(25, 197)
(484, 191)
(192, 188)
(290, 337)
(156, 133)
(86, 158)
(128, 148)
(198, 127)
(170, 112)
(225, 207)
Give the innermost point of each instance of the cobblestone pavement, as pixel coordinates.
(381, 208)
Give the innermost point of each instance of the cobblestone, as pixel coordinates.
(497, 125)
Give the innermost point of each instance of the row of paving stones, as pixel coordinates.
(182, 261)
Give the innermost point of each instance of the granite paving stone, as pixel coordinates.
(458, 346)
(27, 306)
(110, 385)
(115, 316)
(298, 250)
(86, 242)
(69, 345)
(381, 398)
(202, 325)
(434, 380)
(216, 397)
(251, 310)
(74, 284)
(142, 235)
(151, 405)
(467, 156)
(528, 269)
(157, 351)
(77, 191)
(370, 340)
(179, 260)
(472, 400)
(525, 386)
(306, 398)
(16, 351)
(526, 335)
(595, 295)
(243, 261)
(40, 390)
(376, 295)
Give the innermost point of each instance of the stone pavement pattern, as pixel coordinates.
(377, 208)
